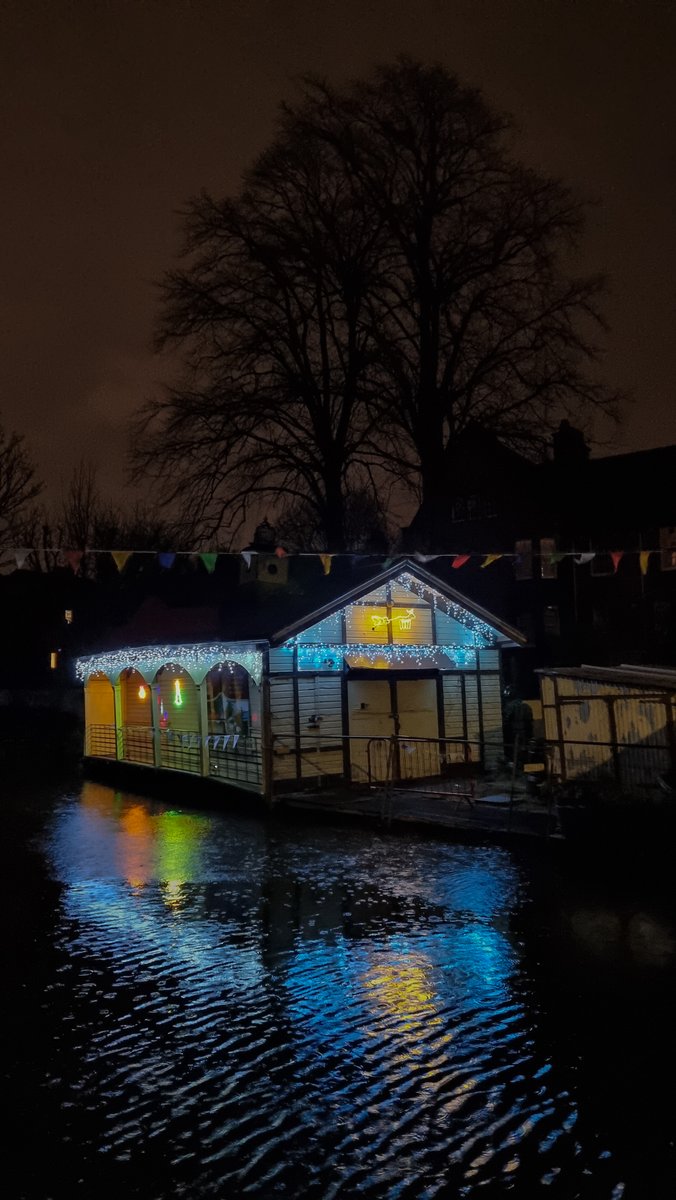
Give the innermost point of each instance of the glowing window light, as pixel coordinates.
(142, 692)
(54, 660)
(178, 695)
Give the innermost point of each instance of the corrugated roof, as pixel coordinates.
(663, 678)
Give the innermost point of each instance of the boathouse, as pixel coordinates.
(397, 676)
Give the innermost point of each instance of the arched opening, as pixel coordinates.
(137, 718)
(99, 701)
(233, 717)
(178, 716)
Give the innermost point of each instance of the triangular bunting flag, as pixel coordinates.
(166, 558)
(387, 563)
(490, 558)
(247, 555)
(121, 558)
(644, 559)
(617, 556)
(581, 559)
(557, 557)
(325, 560)
(460, 560)
(280, 552)
(209, 561)
(73, 559)
(424, 558)
(20, 557)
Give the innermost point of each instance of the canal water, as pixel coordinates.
(205, 1005)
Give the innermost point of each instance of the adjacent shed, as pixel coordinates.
(613, 722)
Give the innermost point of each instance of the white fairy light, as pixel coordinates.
(197, 659)
(318, 653)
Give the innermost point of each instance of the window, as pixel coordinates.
(523, 559)
(668, 548)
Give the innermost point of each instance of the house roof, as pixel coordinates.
(508, 634)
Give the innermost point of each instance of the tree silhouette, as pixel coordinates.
(387, 275)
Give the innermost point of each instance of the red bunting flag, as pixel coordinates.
(280, 552)
(460, 560)
(616, 556)
(73, 558)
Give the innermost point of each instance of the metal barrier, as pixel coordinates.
(374, 761)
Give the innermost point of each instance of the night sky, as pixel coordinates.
(114, 113)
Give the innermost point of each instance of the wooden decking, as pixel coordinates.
(478, 807)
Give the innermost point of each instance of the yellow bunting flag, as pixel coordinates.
(490, 558)
(121, 558)
(644, 558)
(326, 562)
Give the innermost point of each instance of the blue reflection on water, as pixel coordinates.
(282, 988)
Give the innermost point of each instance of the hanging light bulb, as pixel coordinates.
(142, 692)
(178, 696)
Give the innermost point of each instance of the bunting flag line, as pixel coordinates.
(167, 558)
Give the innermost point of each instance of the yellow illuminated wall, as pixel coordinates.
(136, 709)
(99, 701)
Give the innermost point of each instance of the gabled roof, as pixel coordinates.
(508, 635)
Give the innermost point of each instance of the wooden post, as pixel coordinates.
(203, 711)
(155, 715)
(119, 735)
(266, 742)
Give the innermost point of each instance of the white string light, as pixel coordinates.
(329, 655)
(196, 659)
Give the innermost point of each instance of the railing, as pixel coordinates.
(136, 744)
(631, 765)
(101, 741)
(236, 758)
(372, 761)
(230, 757)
